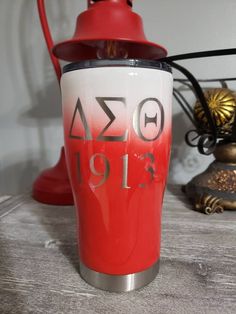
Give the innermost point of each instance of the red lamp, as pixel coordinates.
(104, 22)
(107, 29)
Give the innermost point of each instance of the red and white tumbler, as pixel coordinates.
(117, 127)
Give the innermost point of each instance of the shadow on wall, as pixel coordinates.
(18, 177)
(185, 161)
(45, 104)
(178, 141)
(44, 109)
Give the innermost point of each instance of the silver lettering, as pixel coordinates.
(104, 174)
(109, 113)
(125, 171)
(79, 109)
(147, 120)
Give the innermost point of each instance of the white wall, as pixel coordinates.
(30, 115)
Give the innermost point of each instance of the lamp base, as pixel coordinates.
(52, 186)
(214, 190)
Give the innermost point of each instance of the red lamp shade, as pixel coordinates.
(104, 21)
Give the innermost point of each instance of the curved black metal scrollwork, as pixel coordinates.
(204, 141)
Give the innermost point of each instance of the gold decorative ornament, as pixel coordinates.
(209, 204)
(214, 190)
(222, 105)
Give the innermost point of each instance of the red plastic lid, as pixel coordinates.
(108, 21)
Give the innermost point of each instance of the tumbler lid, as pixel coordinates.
(133, 63)
(109, 22)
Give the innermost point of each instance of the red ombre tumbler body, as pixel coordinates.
(117, 125)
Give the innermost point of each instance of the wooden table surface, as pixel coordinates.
(39, 265)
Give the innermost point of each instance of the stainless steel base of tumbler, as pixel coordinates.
(119, 283)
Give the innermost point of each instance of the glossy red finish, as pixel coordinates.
(117, 152)
(53, 185)
(108, 20)
(119, 229)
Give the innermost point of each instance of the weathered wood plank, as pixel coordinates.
(39, 264)
(4, 198)
(10, 203)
